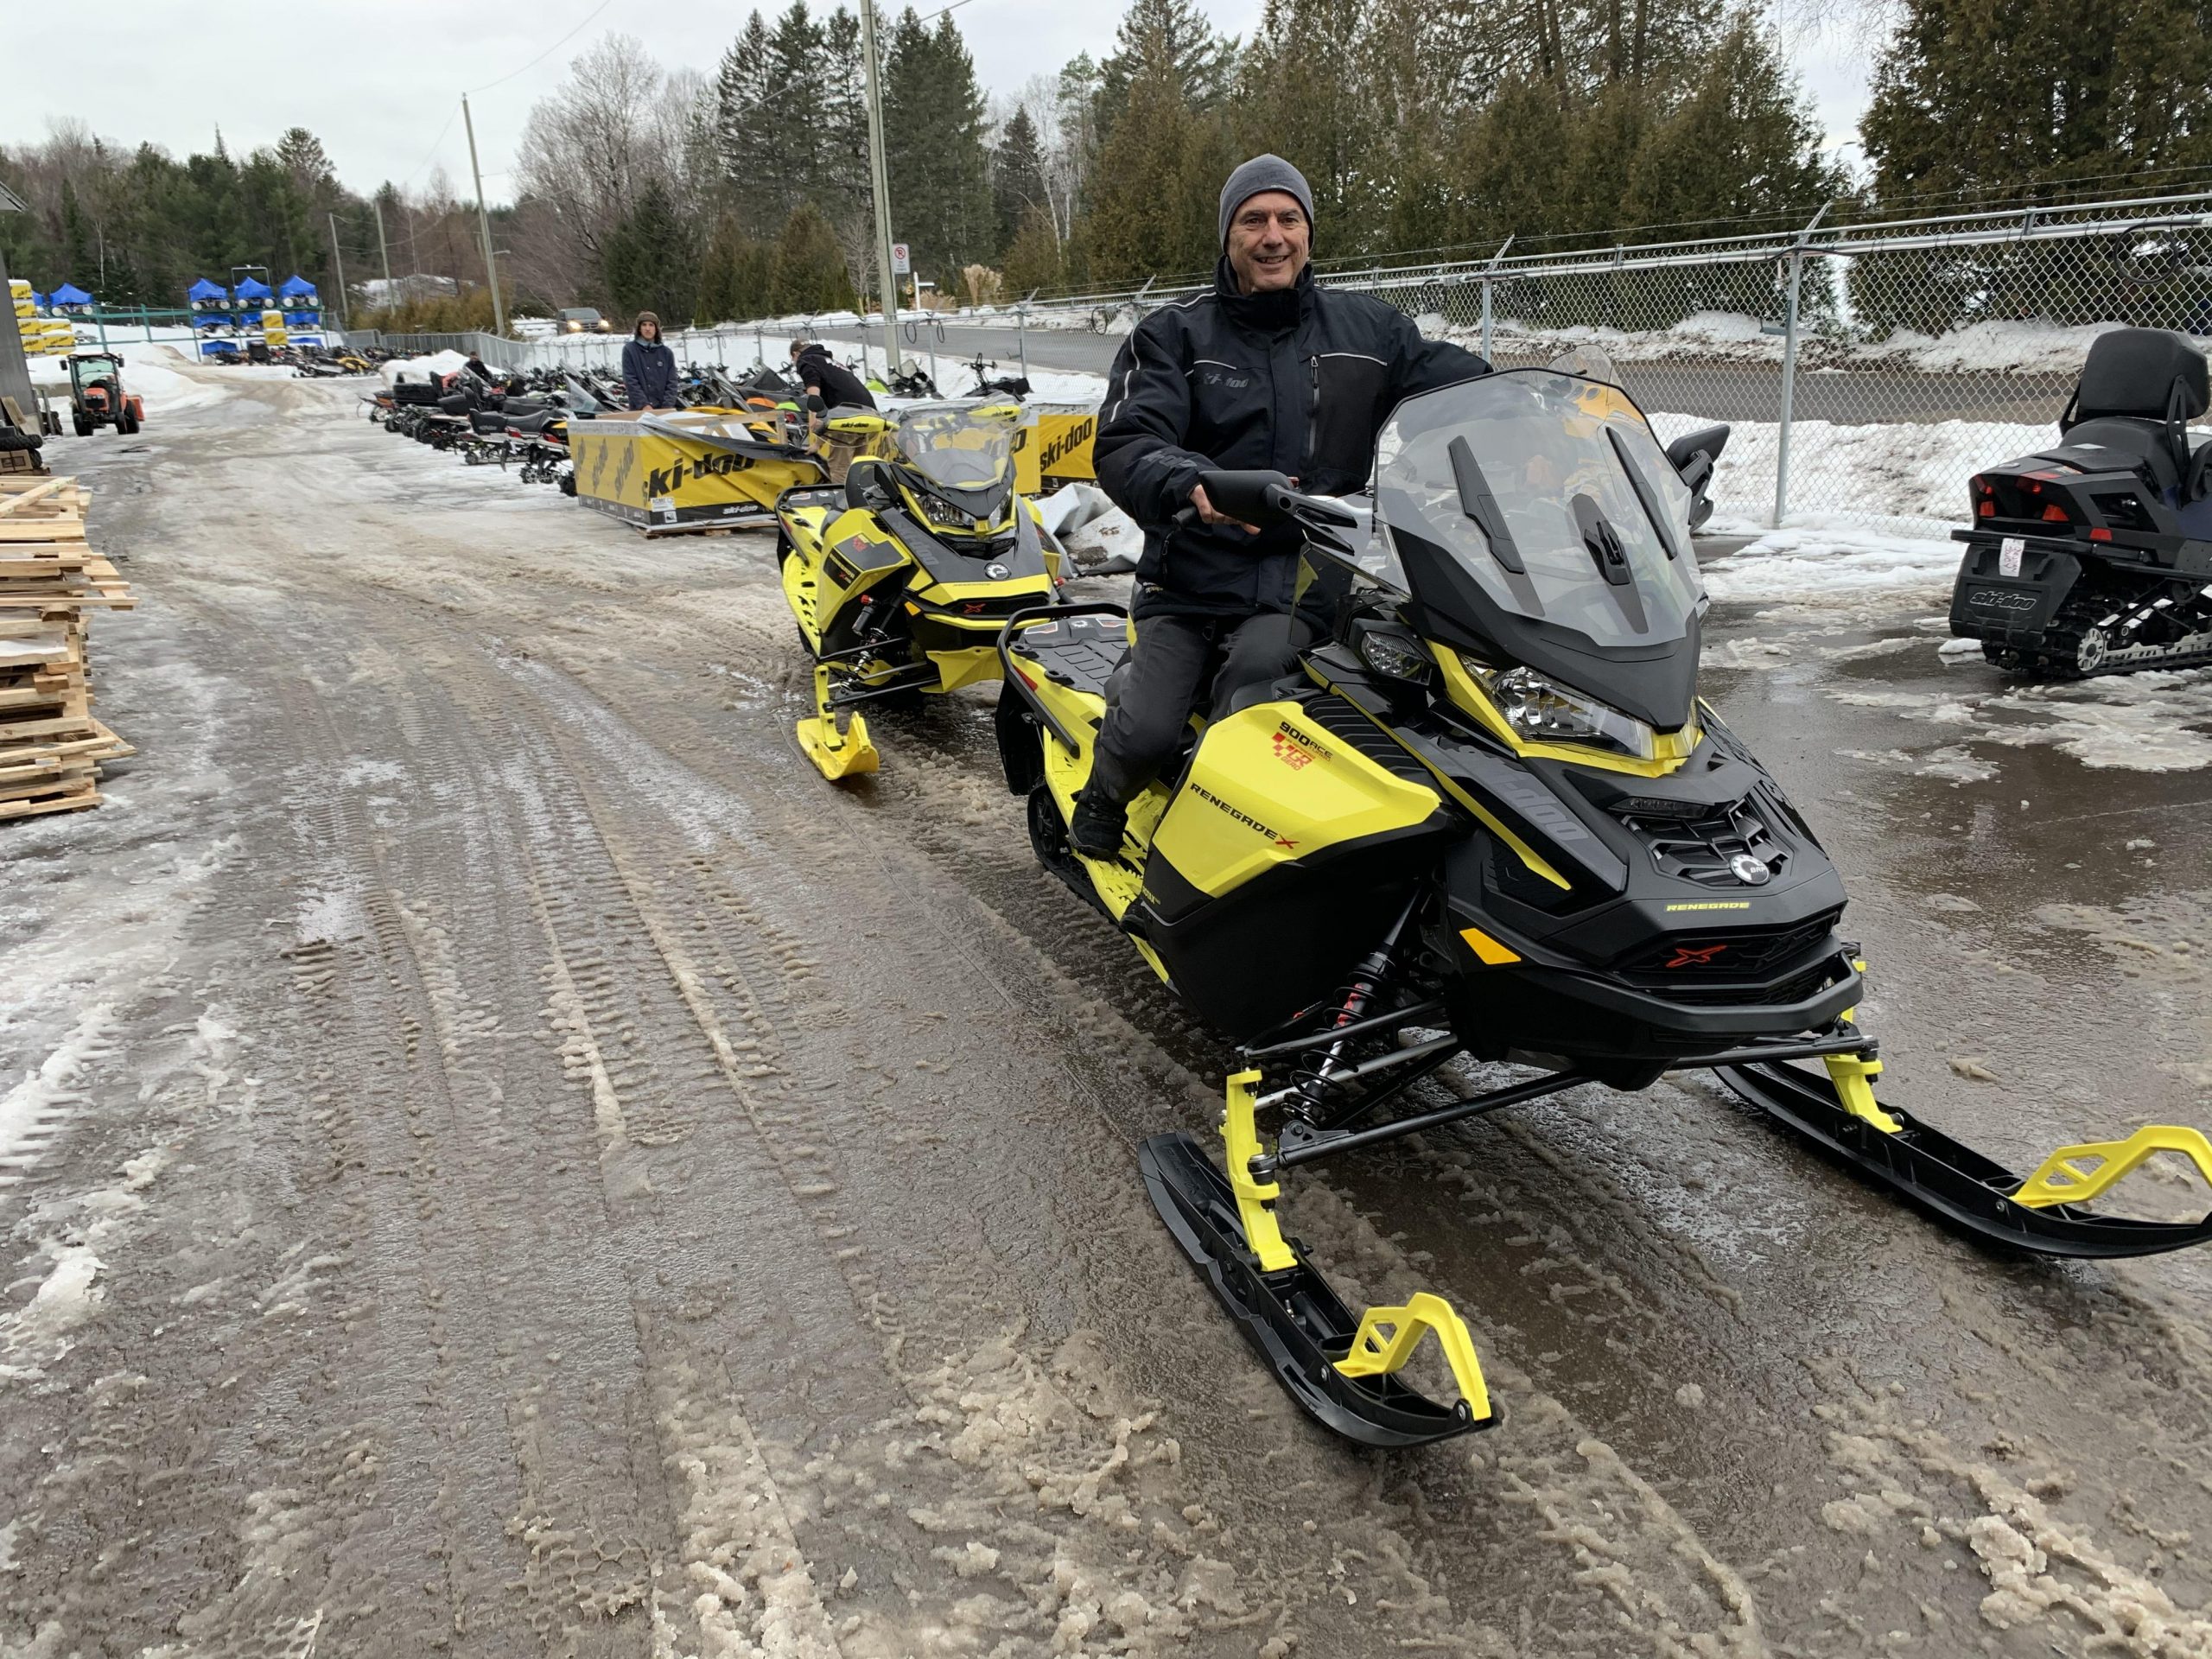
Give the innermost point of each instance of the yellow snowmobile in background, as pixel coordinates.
(902, 576)
(1488, 815)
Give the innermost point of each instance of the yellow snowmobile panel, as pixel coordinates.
(1267, 787)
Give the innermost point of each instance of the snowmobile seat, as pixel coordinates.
(489, 420)
(533, 421)
(2139, 390)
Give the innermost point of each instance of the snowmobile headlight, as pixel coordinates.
(1541, 712)
(1393, 656)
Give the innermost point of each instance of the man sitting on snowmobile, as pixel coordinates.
(1266, 370)
(836, 385)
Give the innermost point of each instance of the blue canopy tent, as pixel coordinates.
(70, 298)
(301, 304)
(38, 300)
(254, 296)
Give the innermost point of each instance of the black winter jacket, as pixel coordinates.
(649, 374)
(1299, 380)
(839, 386)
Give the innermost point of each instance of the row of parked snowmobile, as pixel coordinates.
(521, 422)
(1489, 815)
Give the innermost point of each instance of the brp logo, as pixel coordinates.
(995, 572)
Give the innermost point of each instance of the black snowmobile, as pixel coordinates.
(2094, 555)
(1489, 816)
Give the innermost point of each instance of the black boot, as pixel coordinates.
(1096, 829)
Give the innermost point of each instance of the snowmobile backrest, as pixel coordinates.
(2149, 373)
(2145, 375)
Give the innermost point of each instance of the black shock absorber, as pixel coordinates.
(1309, 1090)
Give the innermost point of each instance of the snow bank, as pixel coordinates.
(1991, 347)
(1061, 385)
(1903, 471)
(1813, 565)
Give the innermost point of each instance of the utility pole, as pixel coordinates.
(879, 177)
(383, 251)
(484, 224)
(344, 306)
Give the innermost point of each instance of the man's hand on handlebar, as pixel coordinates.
(1207, 515)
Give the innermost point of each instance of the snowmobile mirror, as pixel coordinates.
(814, 402)
(1694, 454)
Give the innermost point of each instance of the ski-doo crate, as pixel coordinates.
(1053, 446)
(665, 474)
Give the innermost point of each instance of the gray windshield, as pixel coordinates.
(1551, 493)
(960, 446)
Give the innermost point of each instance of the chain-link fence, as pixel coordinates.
(1868, 368)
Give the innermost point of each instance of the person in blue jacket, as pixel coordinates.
(649, 368)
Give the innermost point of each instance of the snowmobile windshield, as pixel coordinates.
(960, 446)
(1549, 494)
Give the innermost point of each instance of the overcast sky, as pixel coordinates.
(379, 80)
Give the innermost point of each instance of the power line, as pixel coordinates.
(558, 44)
(435, 142)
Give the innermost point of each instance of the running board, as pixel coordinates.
(1950, 1181)
(1306, 1335)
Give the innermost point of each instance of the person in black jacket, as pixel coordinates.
(1264, 371)
(649, 368)
(836, 385)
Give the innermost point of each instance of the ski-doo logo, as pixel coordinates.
(1066, 444)
(666, 480)
(1998, 599)
(1241, 817)
(1296, 750)
(1694, 956)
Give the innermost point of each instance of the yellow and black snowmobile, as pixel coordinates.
(902, 576)
(1489, 815)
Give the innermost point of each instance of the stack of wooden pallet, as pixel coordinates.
(50, 579)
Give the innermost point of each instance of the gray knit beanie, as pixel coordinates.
(1262, 173)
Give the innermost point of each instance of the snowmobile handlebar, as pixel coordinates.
(1264, 499)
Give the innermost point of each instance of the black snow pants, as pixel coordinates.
(1158, 687)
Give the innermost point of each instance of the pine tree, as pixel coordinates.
(1972, 104)
(789, 153)
(1017, 176)
(1032, 259)
(1199, 62)
(742, 117)
(1300, 104)
(845, 191)
(77, 264)
(940, 172)
(650, 263)
(809, 269)
(1151, 213)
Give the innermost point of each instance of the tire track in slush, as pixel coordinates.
(1609, 1471)
(889, 1409)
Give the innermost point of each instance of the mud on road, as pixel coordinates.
(497, 1158)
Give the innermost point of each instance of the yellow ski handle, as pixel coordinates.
(2059, 1179)
(1374, 1353)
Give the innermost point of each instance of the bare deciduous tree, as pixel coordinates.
(589, 148)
